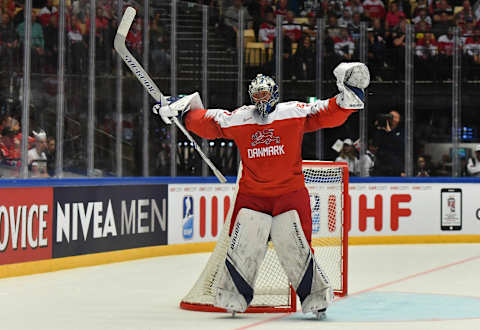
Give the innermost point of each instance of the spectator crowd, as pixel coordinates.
(434, 24)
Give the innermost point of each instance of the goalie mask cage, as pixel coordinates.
(327, 183)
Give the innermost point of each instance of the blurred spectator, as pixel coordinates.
(18, 15)
(466, 12)
(389, 137)
(46, 13)
(378, 27)
(421, 168)
(426, 52)
(348, 154)
(354, 27)
(159, 46)
(51, 153)
(281, 8)
(394, 16)
(422, 17)
(376, 52)
(258, 10)
(442, 8)
(344, 46)
(309, 6)
(334, 8)
(38, 42)
(346, 18)
(420, 5)
(9, 44)
(266, 34)
(467, 30)
(287, 59)
(445, 52)
(472, 53)
(311, 27)
(304, 59)
(476, 10)
(5, 122)
(473, 163)
(103, 37)
(290, 28)
(77, 56)
(10, 141)
(442, 24)
(367, 161)
(81, 23)
(421, 29)
(355, 6)
(51, 43)
(36, 157)
(229, 28)
(374, 9)
(333, 29)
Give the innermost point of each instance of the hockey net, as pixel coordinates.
(327, 183)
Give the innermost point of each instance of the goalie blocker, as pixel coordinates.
(248, 245)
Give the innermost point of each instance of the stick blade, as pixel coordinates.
(127, 20)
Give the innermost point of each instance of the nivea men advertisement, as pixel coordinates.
(106, 218)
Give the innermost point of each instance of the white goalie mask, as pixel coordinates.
(264, 94)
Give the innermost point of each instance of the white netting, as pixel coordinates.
(325, 184)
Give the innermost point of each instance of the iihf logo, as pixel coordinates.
(187, 221)
(451, 204)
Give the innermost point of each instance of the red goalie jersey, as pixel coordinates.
(270, 148)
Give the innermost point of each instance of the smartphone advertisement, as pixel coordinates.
(451, 216)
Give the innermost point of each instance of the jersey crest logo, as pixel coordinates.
(265, 136)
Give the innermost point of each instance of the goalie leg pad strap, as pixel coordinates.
(248, 246)
(296, 258)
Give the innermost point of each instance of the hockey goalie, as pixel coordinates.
(272, 201)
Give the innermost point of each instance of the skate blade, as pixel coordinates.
(320, 315)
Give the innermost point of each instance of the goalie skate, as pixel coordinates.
(321, 314)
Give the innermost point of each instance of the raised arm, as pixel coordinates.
(352, 79)
(326, 114)
(204, 123)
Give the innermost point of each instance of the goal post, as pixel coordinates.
(327, 183)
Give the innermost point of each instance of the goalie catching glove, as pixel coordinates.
(352, 79)
(177, 105)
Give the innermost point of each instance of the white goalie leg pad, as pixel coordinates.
(248, 246)
(296, 258)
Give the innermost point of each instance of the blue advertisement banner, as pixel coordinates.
(107, 218)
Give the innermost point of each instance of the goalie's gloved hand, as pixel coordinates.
(177, 105)
(172, 109)
(352, 79)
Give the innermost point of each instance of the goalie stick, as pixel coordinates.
(149, 85)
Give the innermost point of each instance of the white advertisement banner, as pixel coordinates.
(197, 211)
(414, 209)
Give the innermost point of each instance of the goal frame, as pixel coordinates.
(292, 306)
(346, 213)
